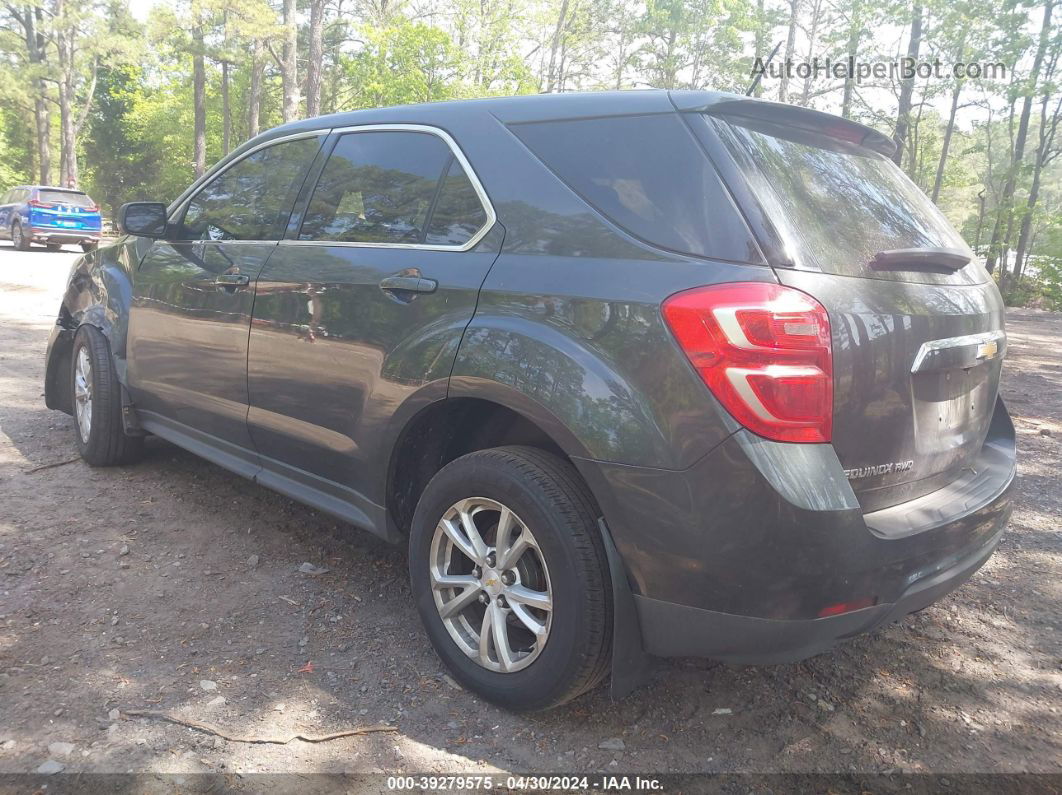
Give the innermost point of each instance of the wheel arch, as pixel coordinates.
(98, 293)
(448, 428)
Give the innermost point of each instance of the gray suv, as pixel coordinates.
(631, 374)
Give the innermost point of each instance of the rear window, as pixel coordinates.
(70, 197)
(836, 204)
(649, 176)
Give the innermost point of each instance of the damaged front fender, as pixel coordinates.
(98, 292)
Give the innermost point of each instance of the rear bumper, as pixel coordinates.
(673, 630)
(49, 234)
(737, 557)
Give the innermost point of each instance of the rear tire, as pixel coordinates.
(564, 564)
(53, 246)
(87, 247)
(18, 237)
(96, 398)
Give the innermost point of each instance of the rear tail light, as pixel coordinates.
(39, 203)
(92, 208)
(764, 352)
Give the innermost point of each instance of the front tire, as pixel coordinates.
(509, 575)
(96, 397)
(18, 237)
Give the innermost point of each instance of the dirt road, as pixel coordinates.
(175, 586)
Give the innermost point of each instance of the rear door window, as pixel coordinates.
(649, 176)
(251, 199)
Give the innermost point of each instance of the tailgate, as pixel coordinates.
(916, 324)
(916, 373)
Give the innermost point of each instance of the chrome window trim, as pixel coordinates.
(197, 186)
(455, 150)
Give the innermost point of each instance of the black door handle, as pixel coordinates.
(408, 284)
(230, 281)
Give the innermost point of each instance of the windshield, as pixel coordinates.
(837, 204)
(74, 198)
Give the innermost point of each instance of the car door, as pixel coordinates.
(363, 305)
(192, 297)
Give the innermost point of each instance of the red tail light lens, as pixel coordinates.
(39, 203)
(92, 208)
(764, 351)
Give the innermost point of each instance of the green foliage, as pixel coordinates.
(403, 63)
(16, 148)
(129, 94)
(122, 165)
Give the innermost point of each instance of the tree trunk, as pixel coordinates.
(760, 42)
(41, 116)
(254, 92)
(855, 34)
(555, 47)
(289, 77)
(939, 180)
(64, 49)
(981, 196)
(790, 44)
(198, 104)
(67, 139)
(903, 110)
(226, 110)
(315, 59)
(1048, 126)
(997, 248)
(816, 18)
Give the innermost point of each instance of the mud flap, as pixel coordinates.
(130, 420)
(630, 663)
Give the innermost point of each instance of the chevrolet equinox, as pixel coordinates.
(631, 374)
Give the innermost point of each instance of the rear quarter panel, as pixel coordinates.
(568, 329)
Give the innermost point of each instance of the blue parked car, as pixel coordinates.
(52, 216)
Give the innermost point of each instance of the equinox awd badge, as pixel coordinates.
(880, 469)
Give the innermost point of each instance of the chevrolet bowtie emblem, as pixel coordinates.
(986, 350)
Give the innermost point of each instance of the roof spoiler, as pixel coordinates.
(806, 119)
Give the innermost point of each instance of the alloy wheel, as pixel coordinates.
(83, 393)
(491, 584)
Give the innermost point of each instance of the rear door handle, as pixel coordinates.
(409, 284)
(230, 281)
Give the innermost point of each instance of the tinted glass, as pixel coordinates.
(837, 203)
(252, 199)
(377, 187)
(69, 197)
(648, 175)
(458, 212)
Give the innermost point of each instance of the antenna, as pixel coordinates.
(756, 79)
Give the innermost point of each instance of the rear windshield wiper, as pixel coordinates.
(933, 260)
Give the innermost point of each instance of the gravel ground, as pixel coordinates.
(175, 586)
